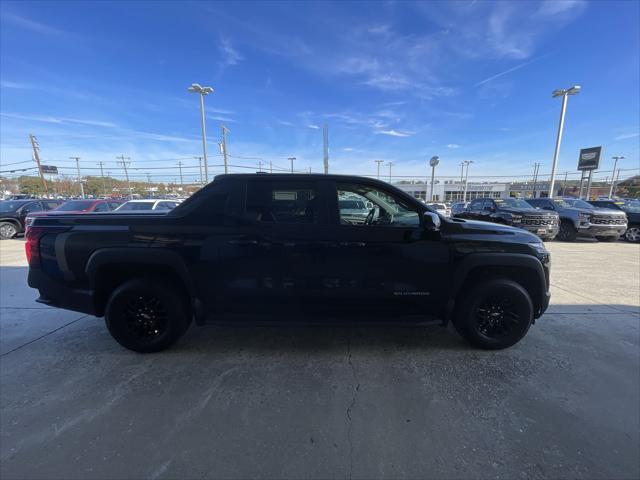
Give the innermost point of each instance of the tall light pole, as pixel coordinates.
(564, 92)
(536, 169)
(291, 159)
(203, 92)
(379, 162)
(613, 175)
(433, 163)
(466, 179)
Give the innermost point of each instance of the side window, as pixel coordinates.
(365, 205)
(165, 206)
(113, 205)
(476, 205)
(487, 205)
(281, 202)
(101, 207)
(32, 207)
(50, 205)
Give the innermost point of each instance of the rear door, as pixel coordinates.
(272, 256)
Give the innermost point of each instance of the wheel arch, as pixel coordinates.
(107, 268)
(525, 270)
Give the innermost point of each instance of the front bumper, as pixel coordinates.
(542, 231)
(591, 230)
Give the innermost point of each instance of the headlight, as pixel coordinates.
(539, 248)
(584, 218)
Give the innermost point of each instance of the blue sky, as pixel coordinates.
(396, 81)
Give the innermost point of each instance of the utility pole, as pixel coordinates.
(200, 163)
(613, 176)
(325, 145)
(149, 179)
(291, 159)
(36, 156)
(104, 185)
(123, 161)
(180, 168)
(536, 167)
(390, 165)
(225, 130)
(564, 184)
(270, 166)
(77, 159)
(379, 162)
(259, 165)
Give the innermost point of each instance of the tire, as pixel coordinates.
(568, 232)
(607, 239)
(8, 230)
(632, 234)
(147, 315)
(494, 315)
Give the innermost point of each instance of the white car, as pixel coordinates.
(135, 206)
(441, 208)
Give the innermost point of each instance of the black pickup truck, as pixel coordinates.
(275, 246)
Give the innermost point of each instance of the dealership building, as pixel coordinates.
(451, 191)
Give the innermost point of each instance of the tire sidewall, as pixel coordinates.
(635, 228)
(174, 303)
(567, 231)
(465, 321)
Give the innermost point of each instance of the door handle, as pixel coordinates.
(353, 244)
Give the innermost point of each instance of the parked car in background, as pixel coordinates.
(353, 210)
(13, 214)
(136, 206)
(631, 208)
(76, 207)
(581, 219)
(441, 208)
(515, 212)
(458, 207)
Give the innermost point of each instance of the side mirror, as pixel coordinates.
(431, 221)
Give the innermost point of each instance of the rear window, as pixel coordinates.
(133, 206)
(75, 206)
(281, 202)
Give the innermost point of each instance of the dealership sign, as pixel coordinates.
(49, 169)
(589, 158)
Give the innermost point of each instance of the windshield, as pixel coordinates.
(572, 203)
(512, 203)
(75, 206)
(132, 206)
(7, 206)
(352, 205)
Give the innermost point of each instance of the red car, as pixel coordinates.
(75, 207)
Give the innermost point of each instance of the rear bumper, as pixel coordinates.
(58, 295)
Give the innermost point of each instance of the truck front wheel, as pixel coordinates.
(568, 232)
(494, 315)
(146, 315)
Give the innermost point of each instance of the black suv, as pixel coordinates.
(515, 212)
(275, 246)
(14, 212)
(631, 209)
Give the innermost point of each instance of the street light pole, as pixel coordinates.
(466, 179)
(536, 167)
(564, 92)
(613, 176)
(291, 159)
(203, 91)
(433, 162)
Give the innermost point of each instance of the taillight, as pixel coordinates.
(32, 245)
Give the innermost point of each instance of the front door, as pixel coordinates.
(387, 264)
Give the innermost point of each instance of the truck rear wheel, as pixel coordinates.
(494, 315)
(8, 230)
(146, 315)
(632, 234)
(568, 232)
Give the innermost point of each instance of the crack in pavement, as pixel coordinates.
(352, 404)
(45, 335)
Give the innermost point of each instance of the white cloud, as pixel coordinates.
(453, 145)
(61, 120)
(513, 69)
(230, 55)
(394, 133)
(30, 24)
(627, 136)
(313, 127)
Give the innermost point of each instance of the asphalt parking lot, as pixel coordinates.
(330, 402)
